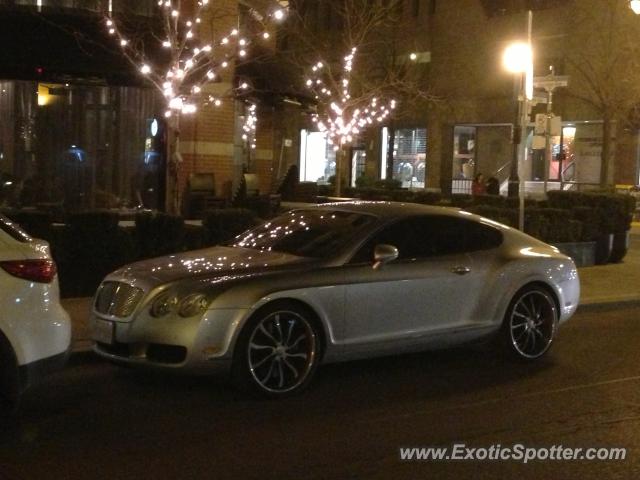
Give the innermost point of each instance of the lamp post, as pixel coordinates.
(518, 59)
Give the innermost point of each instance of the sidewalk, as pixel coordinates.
(601, 285)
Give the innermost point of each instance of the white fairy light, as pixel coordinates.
(344, 117)
(176, 103)
(192, 65)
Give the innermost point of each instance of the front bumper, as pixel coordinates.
(195, 345)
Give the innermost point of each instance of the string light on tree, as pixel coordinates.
(250, 124)
(192, 65)
(341, 115)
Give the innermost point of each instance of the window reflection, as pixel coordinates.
(306, 233)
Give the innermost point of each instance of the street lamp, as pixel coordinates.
(635, 6)
(518, 56)
(518, 59)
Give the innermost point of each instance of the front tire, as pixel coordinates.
(278, 351)
(530, 323)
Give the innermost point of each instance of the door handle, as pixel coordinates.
(461, 270)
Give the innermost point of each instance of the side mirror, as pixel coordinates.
(384, 254)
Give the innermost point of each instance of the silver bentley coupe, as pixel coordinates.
(336, 282)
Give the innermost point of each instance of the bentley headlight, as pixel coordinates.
(164, 304)
(193, 304)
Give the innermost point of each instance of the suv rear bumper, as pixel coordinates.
(32, 373)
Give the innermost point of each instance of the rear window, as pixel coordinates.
(13, 230)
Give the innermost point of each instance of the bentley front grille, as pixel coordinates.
(117, 299)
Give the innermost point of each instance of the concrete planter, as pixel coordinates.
(620, 246)
(604, 246)
(582, 253)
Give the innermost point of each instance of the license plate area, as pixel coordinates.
(103, 331)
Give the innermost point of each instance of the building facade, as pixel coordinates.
(80, 128)
(466, 128)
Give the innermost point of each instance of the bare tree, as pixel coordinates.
(357, 64)
(187, 55)
(603, 58)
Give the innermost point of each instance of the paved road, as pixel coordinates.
(96, 421)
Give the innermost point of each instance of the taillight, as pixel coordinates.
(41, 271)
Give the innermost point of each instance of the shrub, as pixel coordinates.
(556, 225)
(92, 246)
(426, 197)
(222, 225)
(614, 211)
(158, 234)
(388, 184)
(461, 200)
(490, 200)
(365, 181)
(590, 218)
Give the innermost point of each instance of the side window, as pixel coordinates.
(483, 237)
(398, 234)
(445, 235)
(432, 236)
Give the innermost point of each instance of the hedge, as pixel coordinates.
(224, 224)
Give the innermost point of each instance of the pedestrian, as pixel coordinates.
(478, 187)
(493, 186)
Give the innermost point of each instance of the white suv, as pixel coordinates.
(35, 332)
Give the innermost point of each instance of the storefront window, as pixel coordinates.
(409, 147)
(464, 152)
(70, 147)
(317, 158)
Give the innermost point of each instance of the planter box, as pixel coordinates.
(620, 246)
(582, 253)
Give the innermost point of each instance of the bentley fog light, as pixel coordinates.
(193, 305)
(164, 304)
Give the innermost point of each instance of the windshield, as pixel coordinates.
(306, 233)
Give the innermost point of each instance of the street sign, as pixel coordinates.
(551, 82)
(541, 124)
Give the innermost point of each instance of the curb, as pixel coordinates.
(627, 301)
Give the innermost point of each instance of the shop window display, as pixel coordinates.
(409, 155)
(464, 152)
(317, 158)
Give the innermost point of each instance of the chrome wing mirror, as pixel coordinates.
(384, 254)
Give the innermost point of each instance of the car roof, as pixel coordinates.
(384, 209)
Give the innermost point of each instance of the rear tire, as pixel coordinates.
(530, 323)
(278, 351)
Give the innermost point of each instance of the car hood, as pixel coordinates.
(207, 263)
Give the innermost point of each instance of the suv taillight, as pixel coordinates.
(41, 271)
